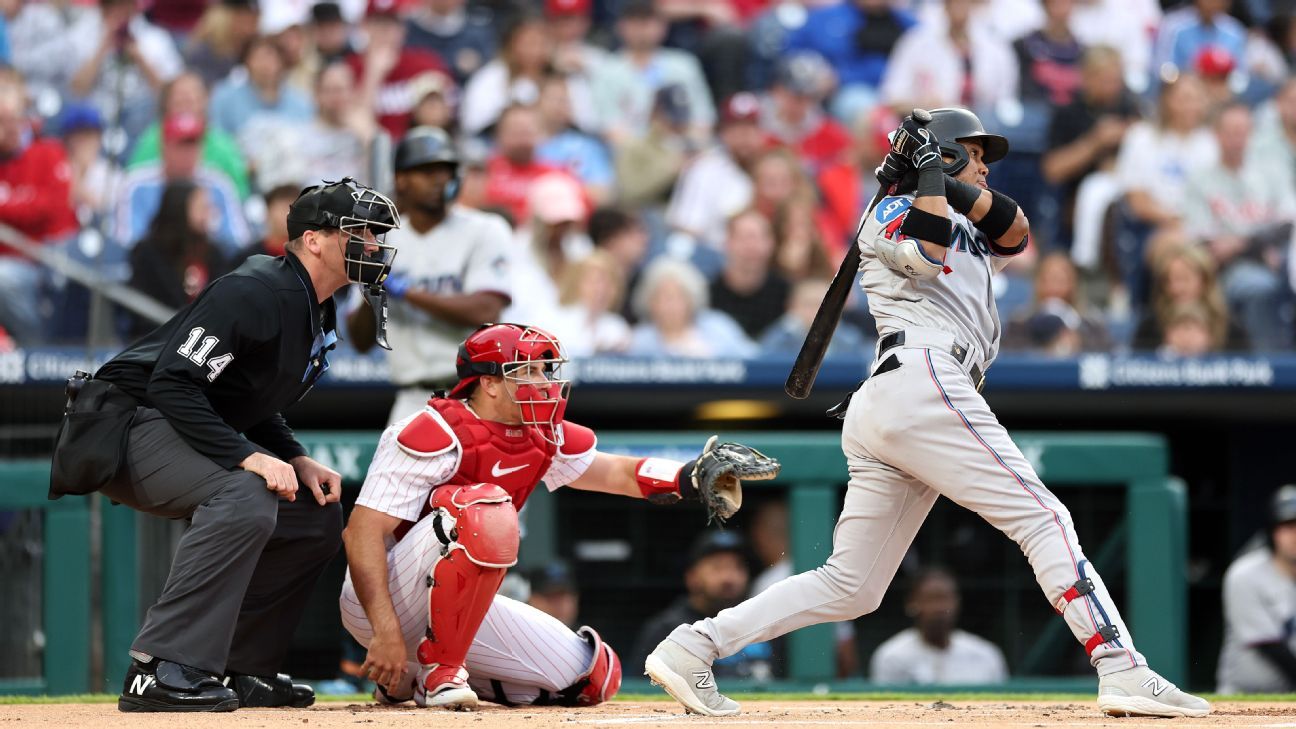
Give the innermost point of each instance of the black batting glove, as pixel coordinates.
(916, 143)
(893, 168)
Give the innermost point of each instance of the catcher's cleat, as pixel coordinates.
(1140, 691)
(158, 685)
(688, 679)
(387, 697)
(270, 691)
(444, 687)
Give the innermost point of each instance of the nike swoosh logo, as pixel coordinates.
(496, 471)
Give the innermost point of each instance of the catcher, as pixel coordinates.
(435, 528)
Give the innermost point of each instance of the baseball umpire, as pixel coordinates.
(919, 428)
(186, 424)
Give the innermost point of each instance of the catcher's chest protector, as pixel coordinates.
(513, 457)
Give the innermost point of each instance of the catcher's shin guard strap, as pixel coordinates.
(662, 481)
(1105, 634)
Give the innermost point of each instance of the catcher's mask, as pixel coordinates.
(529, 358)
(364, 216)
(952, 126)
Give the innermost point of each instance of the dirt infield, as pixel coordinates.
(653, 714)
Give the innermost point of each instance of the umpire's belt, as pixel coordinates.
(933, 339)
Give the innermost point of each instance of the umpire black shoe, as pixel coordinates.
(270, 691)
(160, 685)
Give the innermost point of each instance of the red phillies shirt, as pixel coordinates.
(821, 147)
(507, 184)
(36, 192)
(396, 94)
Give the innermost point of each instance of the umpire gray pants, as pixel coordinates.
(243, 569)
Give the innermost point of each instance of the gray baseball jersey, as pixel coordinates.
(1259, 607)
(467, 253)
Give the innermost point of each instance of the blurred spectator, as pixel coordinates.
(389, 69)
(175, 261)
(647, 166)
(95, 179)
(624, 88)
(1085, 135)
(343, 140)
(748, 288)
(793, 114)
(1187, 31)
(716, 578)
(714, 31)
(675, 319)
(187, 94)
(935, 651)
(1216, 69)
(1274, 142)
(717, 183)
(141, 192)
(1057, 302)
(785, 337)
(260, 96)
(463, 38)
(1184, 275)
(857, 37)
(121, 62)
(285, 24)
(554, 591)
(590, 295)
(566, 146)
(433, 95)
(513, 167)
(1259, 594)
(1049, 58)
(177, 17)
(512, 77)
(1244, 213)
(35, 199)
(221, 39)
(453, 277)
(546, 246)
(275, 240)
(41, 48)
(622, 236)
(784, 194)
(574, 57)
(958, 63)
(1127, 25)
(330, 36)
(1156, 157)
(848, 185)
(1187, 332)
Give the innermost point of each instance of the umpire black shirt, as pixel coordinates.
(226, 365)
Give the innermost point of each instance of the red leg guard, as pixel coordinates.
(601, 680)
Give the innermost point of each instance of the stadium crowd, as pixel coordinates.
(681, 177)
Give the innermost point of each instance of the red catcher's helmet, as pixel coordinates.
(507, 350)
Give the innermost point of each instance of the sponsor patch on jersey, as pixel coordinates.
(891, 208)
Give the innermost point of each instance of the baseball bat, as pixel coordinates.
(806, 367)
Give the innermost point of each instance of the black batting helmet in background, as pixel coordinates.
(952, 126)
(428, 146)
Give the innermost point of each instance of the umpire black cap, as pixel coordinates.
(425, 146)
(952, 126)
(326, 206)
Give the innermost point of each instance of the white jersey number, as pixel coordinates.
(199, 355)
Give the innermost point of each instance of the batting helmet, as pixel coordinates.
(1283, 507)
(428, 146)
(952, 126)
(504, 350)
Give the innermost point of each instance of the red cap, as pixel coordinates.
(741, 107)
(558, 8)
(182, 128)
(382, 7)
(1213, 61)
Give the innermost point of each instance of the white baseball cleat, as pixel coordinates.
(1140, 691)
(688, 679)
(444, 687)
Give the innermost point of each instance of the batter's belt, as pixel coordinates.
(934, 339)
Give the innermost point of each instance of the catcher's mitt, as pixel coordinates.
(718, 474)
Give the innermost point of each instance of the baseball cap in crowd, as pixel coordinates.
(326, 12)
(382, 8)
(715, 541)
(280, 16)
(1214, 62)
(1043, 328)
(79, 118)
(182, 127)
(252, 5)
(560, 8)
(638, 9)
(804, 74)
(672, 102)
(741, 108)
(551, 578)
(556, 197)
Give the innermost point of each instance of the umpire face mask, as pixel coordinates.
(364, 232)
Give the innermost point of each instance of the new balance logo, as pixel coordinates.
(1158, 687)
(704, 680)
(141, 683)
